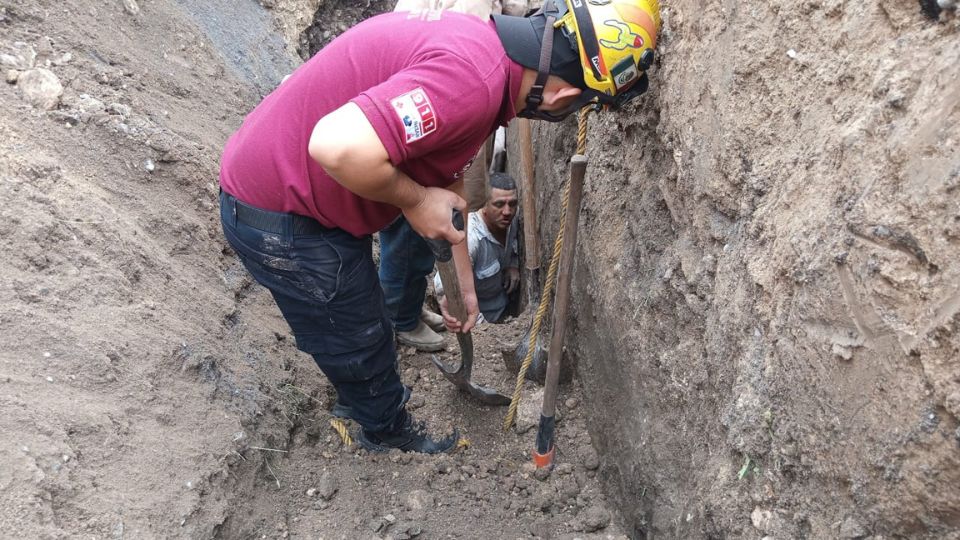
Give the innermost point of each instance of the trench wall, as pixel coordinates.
(766, 295)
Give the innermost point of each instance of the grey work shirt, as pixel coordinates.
(489, 265)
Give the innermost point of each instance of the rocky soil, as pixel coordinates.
(767, 282)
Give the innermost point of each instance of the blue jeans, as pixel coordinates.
(325, 284)
(405, 263)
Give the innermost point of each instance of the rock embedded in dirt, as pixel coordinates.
(568, 489)
(63, 59)
(595, 518)
(24, 57)
(528, 412)
(41, 88)
(12, 76)
(119, 109)
(328, 486)
(544, 498)
(9, 61)
(375, 524)
(852, 529)
(591, 460)
(131, 7)
(571, 403)
(542, 473)
(761, 519)
(405, 531)
(418, 500)
(88, 104)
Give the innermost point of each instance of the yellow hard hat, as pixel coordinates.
(615, 39)
(603, 47)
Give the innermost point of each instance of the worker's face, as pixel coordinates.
(501, 207)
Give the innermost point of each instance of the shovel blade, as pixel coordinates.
(461, 379)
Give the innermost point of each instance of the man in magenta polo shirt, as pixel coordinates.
(383, 121)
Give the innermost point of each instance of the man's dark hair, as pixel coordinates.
(499, 180)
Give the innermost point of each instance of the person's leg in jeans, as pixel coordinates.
(405, 263)
(326, 286)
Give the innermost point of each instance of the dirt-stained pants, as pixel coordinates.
(325, 284)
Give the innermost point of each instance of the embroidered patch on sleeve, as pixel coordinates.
(417, 114)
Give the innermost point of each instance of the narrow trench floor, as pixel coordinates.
(321, 488)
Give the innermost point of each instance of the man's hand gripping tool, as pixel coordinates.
(460, 377)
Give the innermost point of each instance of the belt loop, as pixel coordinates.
(288, 228)
(231, 202)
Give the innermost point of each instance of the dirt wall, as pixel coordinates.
(766, 283)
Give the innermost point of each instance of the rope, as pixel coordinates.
(551, 278)
(341, 428)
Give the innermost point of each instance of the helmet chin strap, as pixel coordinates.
(582, 101)
(535, 95)
(587, 97)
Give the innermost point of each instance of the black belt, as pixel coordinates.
(274, 222)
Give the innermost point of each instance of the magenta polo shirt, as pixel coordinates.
(433, 85)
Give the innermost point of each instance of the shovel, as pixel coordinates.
(460, 377)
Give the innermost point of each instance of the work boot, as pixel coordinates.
(422, 337)
(341, 410)
(433, 320)
(409, 436)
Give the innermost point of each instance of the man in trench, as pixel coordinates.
(492, 250)
(405, 258)
(382, 122)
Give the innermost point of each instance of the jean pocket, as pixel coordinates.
(310, 273)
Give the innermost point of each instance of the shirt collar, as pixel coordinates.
(480, 225)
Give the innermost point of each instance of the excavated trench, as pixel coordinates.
(296, 453)
(765, 308)
(766, 284)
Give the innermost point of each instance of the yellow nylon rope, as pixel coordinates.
(341, 428)
(551, 277)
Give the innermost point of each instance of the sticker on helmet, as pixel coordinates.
(417, 114)
(624, 73)
(625, 37)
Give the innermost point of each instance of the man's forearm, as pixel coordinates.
(385, 184)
